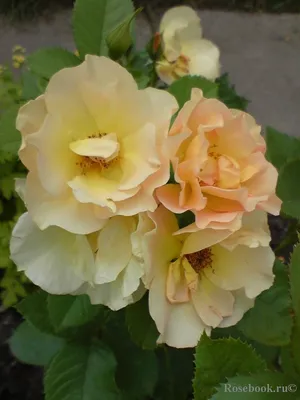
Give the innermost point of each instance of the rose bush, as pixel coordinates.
(146, 233)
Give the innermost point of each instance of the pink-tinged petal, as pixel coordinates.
(198, 148)
(264, 183)
(223, 200)
(179, 325)
(191, 197)
(180, 124)
(272, 205)
(65, 211)
(252, 165)
(255, 130)
(212, 303)
(235, 140)
(203, 239)
(209, 114)
(174, 142)
(229, 173)
(218, 220)
(243, 267)
(168, 195)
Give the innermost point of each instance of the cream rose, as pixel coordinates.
(205, 279)
(220, 169)
(94, 146)
(107, 265)
(185, 52)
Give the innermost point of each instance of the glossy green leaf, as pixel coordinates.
(82, 372)
(46, 62)
(182, 88)
(10, 137)
(219, 359)
(31, 346)
(281, 148)
(140, 325)
(34, 309)
(94, 19)
(120, 39)
(288, 188)
(71, 311)
(269, 321)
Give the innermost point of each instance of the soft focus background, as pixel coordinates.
(259, 42)
(260, 49)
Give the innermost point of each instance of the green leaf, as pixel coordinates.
(228, 95)
(46, 62)
(82, 372)
(185, 219)
(287, 362)
(219, 359)
(94, 19)
(140, 325)
(269, 321)
(182, 88)
(31, 88)
(34, 309)
(295, 282)
(288, 188)
(263, 386)
(10, 137)
(137, 371)
(281, 148)
(31, 346)
(269, 353)
(70, 311)
(120, 39)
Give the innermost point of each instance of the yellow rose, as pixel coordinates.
(185, 52)
(94, 146)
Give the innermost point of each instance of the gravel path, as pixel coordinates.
(260, 51)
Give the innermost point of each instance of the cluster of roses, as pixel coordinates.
(101, 214)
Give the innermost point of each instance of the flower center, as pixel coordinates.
(180, 67)
(200, 259)
(98, 151)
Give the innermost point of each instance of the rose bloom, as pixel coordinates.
(205, 279)
(220, 169)
(107, 265)
(94, 146)
(185, 52)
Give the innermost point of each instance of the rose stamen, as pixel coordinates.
(200, 259)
